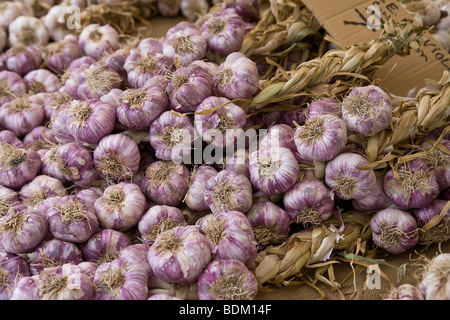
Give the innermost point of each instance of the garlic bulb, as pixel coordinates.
(55, 22)
(28, 31)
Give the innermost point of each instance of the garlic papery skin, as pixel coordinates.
(72, 76)
(273, 170)
(228, 191)
(321, 138)
(104, 246)
(185, 46)
(223, 126)
(116, 60)
(96, 40)
(428, 11)
(121, 206)
(346, 180)
(41, 80)
(324, 106)
(21, 115)
(21, 229)
(166, 182)
(136, 254)
(23, 59)
(188, 87)
(12, 269)
(9, 137)
(58, 125)
(89, 195)
(8, 198)
(9, 11)
(163, 296)
(281, 135)
(179, 255)
(249, 10)
(309, 202)
(66, 282)
(71, 220)
(11, 86)
(17, 166)
(270, 223)
(376, 200)
(53, 253)
(224, 32)
(157, 220)
(168, 8)
(438, 161)
(394, 230)
(91, 120)
(440, 232)
(227, 279)
(237, 77)
(151, 45)
(120, 280)
(367, 110)
(139, 108)
(434, 283)
(56, 23)
(193, 9)
(39, 189)
(172, 136)
(404, 291)
(239, 162)
(117, 157)
(195, 195)
(142, 66)
(39, 138)
(28, 31)
(415, 186)
(97, 80)
(59, 55)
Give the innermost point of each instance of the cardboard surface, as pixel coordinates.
(349, 22)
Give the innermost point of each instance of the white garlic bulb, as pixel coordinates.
(28, 31)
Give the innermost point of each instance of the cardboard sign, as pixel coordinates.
(355, 21)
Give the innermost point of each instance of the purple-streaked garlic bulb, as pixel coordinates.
(23, 59)
(39, 189)
(151, 45)
(9, 137)
(168, 8)
(72, 75)
(182, 25)
(166, 182)
(96, 40)
(195, 199)
(270, 223)
(238, 162)
(264, 120)
(53, 253)
(172, 136)
(237, 77)
(163, 296)
(273, 169)
(11, 86)
(138, 108)
(141, 66)
(56, 23)
(414, 187)
(104, 246)
(179, 255)
(231, 236)
(97, 80)
(58, 126)
(309, 201)
(434, 283)
(227, 279)
(188, 87)
(185, 46)
(72, 220)
(394, 230)
(91, 120)
(281, 135)
(405, 291)
(324, 106)
(12, 269)
(117, 157)
(321, 138)
(8, 198)
(343, 176)
(21, 115)
(39, 138)
(438, 161)
(137, 254)
(22, 229)
(192, 10)
(88, 268)
(41, 80)
(89, 195)
(18, 166)
(112, 97)
(249, 10)
(116, 60)
(223, 124)
(120, 280)
(376, 200)
(121, 206)
(69, 162)
(297, 115)
(28, 31)
(59, 55)
(223, 32)
(367, 110)
(157, 220)
(432, 230)
(228, 191)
